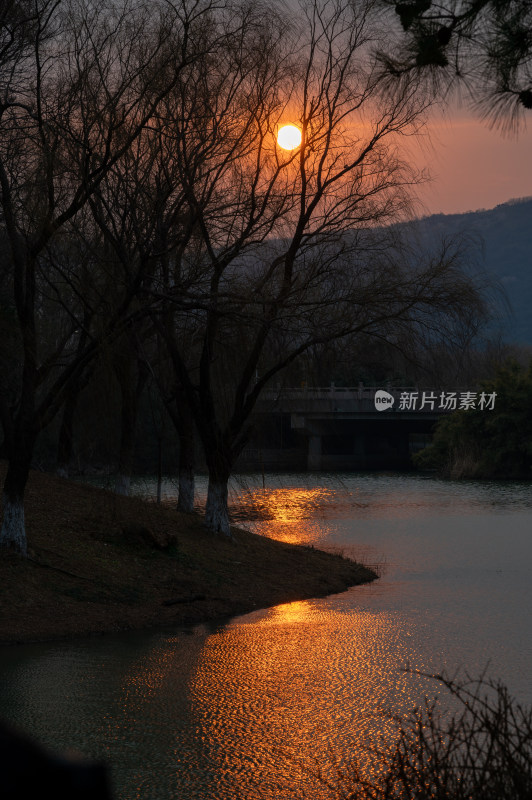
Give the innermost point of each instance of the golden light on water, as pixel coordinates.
(301, 514)
(305, 686)
(289, 137)
(302, 687)
(253, 708)
(297, 691)
(291, 514)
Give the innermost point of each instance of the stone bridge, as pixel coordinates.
(343, 428)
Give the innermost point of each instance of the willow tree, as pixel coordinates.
(79, 81)
(286, 253)
(140, 212)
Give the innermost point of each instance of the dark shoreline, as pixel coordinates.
(103, 563)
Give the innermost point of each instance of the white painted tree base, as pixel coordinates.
(216, 516)
(185, 499)
(122, 484)
(13, 533)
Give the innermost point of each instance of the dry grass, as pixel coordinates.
(92, 568)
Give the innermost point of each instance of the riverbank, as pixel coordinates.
(99, 562)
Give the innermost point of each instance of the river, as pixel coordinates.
(250, 708)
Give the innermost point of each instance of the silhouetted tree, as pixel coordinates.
(288, 257)
(74, 96)
(485, 45)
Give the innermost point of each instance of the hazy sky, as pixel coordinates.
(472, 166)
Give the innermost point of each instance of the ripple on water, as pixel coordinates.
(250, 709)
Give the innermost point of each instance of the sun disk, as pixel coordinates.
(289, 137)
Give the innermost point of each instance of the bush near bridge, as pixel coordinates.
(487, 444)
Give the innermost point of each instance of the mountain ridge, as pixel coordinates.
(504, 244)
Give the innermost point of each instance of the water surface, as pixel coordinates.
(249, 708)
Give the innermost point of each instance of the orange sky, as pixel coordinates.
(472, 166)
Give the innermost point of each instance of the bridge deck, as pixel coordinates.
(355, 402)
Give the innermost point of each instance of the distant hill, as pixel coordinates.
(505, 250)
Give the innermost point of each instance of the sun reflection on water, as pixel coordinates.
(251, 709)
(296, 515)
(274, 699)
(300, 514)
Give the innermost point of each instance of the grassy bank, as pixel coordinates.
(99, 562)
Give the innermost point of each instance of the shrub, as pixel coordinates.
(484, 444)
(480, 751)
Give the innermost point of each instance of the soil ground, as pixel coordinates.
(100, 562)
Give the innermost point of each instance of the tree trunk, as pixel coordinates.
(123, 484)
(13, 531)
(127, 442)
(185, 501)
(179, 411)
(185, 498)
(216, 513)
(66, 441)
(131, 375)
(65, 444)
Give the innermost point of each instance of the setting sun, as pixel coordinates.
(289, 137)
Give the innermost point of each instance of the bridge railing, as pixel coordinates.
(359, 392)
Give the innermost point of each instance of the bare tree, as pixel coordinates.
(289, 254)
(140, 210)
(74, 96)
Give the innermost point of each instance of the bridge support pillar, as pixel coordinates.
(314, 452)
(359, 450)
(359, 446)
